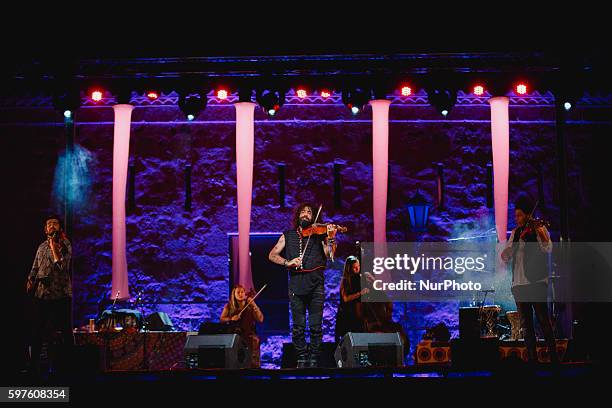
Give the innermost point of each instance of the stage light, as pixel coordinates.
(442, 99)
(325, 93)
(270, 100)
(67, 99)
(567, 106)
(478, 90)
(521, 88)
(301, 93)
(355, 99)
(152, 95)
(406, 91)
(222, 94)
(96, 95)
(191, 104)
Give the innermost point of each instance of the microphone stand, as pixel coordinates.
(108, 334)
(145, 330)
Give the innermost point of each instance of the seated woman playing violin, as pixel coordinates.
(527, 249)
(242, 313)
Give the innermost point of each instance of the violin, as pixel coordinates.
(532, 225)
(322, 229)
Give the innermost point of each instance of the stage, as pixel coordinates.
(500, 382)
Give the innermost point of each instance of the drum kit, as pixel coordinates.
(489, 316)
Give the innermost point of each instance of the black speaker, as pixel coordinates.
(475, 353)
(370, 350)
(159, 321)
(216, 351)
(469, 323)
(326, 359)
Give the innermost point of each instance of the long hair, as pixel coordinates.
(234, 306)
(296, 213)
(347, 274)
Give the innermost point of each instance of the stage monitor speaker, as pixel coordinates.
(216, 351)
(159, 321)
(370, 350)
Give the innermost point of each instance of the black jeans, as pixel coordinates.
(526, 305)
(313, 303)
(50, 316)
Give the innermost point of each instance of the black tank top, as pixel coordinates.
(314, 261)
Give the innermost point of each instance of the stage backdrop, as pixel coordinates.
(179, 256)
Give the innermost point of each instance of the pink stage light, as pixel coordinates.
(301, 93)
(500, 141)
(325, 93)
(121, 153)
(245, 130)
(479, 90)
(152, 95)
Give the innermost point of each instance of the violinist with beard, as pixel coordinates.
(305, 259)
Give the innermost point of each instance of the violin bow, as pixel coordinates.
(308, 240)
(533, 210)
(252, 299)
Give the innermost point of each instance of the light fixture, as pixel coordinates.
(355, 99)
(521, 88)
(418, 210)
(478, 90)
(67, 99)
(406, 90)
(222, 94)
(270, 100)
(191, 104)
(152, 94)
(443, 99)
(96, 95)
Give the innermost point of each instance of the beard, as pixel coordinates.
(304, 222)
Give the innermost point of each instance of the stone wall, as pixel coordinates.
(180, 257)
